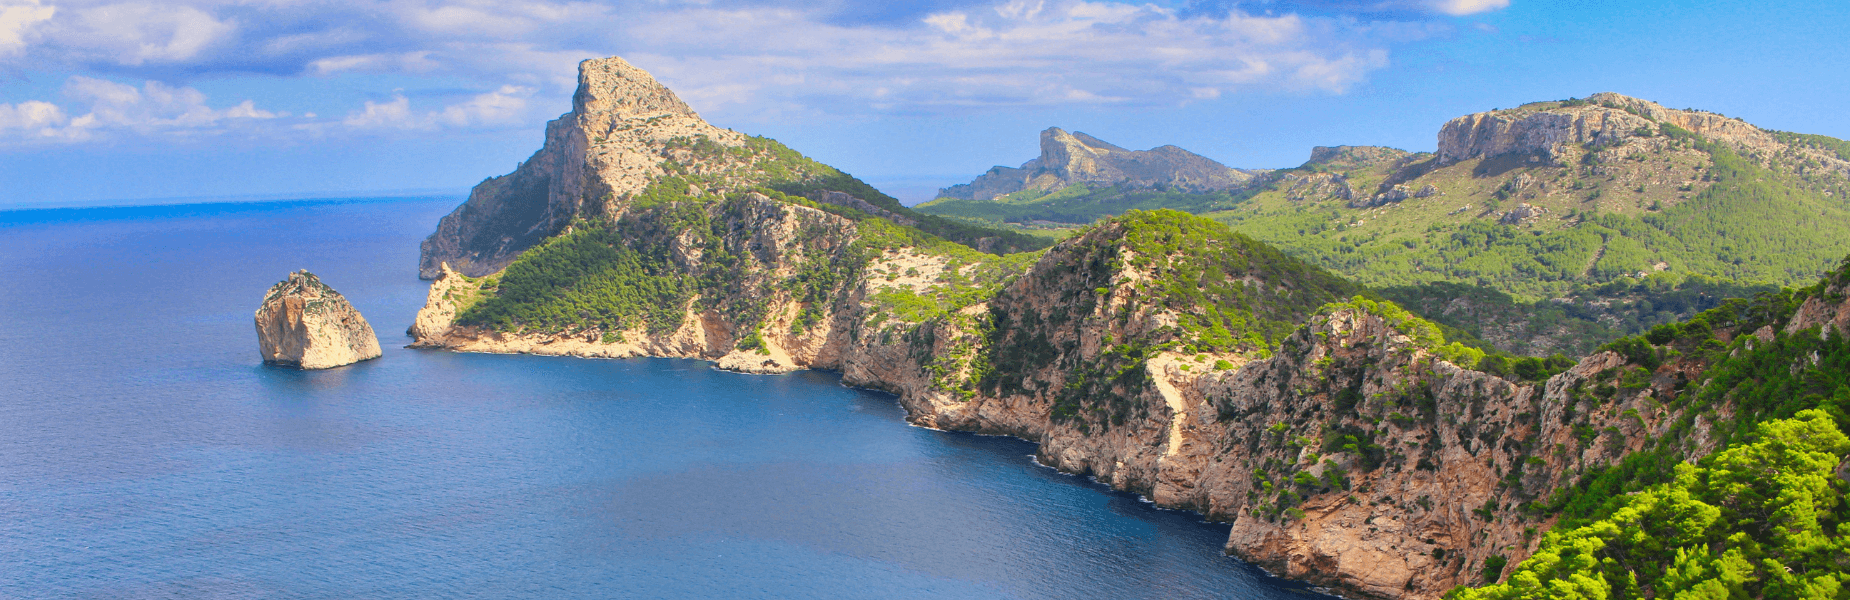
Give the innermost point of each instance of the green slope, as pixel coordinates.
(1761, 517)
(1078, 204)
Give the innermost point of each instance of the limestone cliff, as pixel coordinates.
(1351, 453)
(1159, 352)
(611, 145)
(303, 323)
(1076, 158)
(1550, 129)
(1592, 218)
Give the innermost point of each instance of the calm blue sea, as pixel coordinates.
(145, 452)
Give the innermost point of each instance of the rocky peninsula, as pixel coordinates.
(1348, 443)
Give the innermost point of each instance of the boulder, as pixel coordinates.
(305, 324)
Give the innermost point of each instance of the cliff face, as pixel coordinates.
(1603, 119)
(1353, 457)
(611, 145)
(303, 323)
(1074, 158)
(752, 244)
(1159, 352)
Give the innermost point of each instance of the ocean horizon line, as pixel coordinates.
(234, 199)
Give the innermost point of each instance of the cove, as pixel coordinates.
(144, 452)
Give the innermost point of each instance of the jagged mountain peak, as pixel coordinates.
(611, 145)
(613, 85)
(1056, 135)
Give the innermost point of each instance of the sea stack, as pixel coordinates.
(305, 324)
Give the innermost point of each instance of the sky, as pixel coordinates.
(113, 102)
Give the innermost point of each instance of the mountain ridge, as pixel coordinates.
(1076, 158)
(625, 133)
(1347, 441)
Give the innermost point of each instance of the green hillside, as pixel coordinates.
(1587, 225)
(1077, 204)
(1762, 516)
(1558, 249)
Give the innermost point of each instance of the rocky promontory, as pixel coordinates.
(624, 125)
(303, 323)
(1342, 437)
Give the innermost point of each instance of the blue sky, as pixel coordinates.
(121, 102)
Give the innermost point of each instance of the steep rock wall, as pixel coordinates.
(1353, 457)
(1604, 119)
(305, 324)
(610, 146)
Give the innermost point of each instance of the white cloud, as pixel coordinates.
(1467, 7)
(387, 115)
(113, 110)
(1018, 53)
(139, 33)
(16, 18)
(739, 60)
(31, 120)
(504, 106)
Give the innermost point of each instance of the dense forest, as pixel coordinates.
(1079, 204)
(1761, 517)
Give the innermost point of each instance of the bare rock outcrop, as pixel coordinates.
(1545, 129)
(610, 146)
(303, 323)
(440, 307)
(1072, 158)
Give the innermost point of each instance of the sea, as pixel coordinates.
(145, 451)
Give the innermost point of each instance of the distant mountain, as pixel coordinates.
(1597, 207)
(1079, 178)
(1576, 221)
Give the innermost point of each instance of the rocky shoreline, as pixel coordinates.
(1157, 352)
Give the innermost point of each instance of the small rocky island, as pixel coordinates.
(305, 324)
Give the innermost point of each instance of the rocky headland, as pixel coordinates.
(305, 324)
(1348, 442)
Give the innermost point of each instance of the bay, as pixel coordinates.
(146, 453)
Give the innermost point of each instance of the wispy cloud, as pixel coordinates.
(500, 107)
(739, 59)
(1017, 53)
(109, 110)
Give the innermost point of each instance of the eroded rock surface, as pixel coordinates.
(303, 323)
(610, 146)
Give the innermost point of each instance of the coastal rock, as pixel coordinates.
(303, 323)
(440, 308)
(1076, 158)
